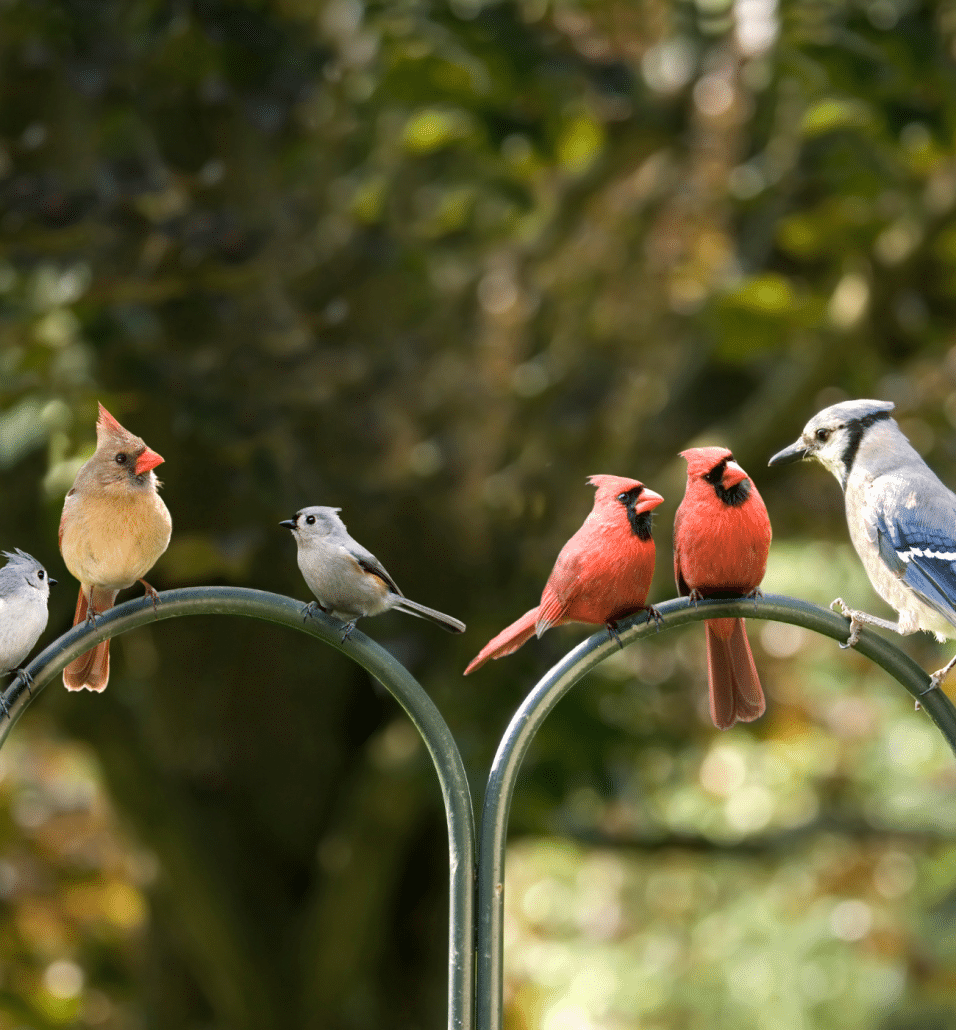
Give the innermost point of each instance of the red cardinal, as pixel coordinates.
(721, 541)
(113, 528)
(602, 573)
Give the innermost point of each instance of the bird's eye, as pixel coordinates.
(120, 458)
(622, 498)
(823, 435)
(41, 574)
(310, 520)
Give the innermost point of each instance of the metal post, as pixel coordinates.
(493, 830)
(396, 679)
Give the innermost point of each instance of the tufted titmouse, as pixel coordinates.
(348, 581)
(24, 592)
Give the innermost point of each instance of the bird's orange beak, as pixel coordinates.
(733, 475)
(648, 500)
(149, 459)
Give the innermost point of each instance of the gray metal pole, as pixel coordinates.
(552, 687)
(397, 680)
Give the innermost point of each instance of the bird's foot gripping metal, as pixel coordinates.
(308, 610)
(936, 680)
(653, 613)
(694, 596)
(855, 624)
(755, 595)
(347, 630)
(26, 679)
(152, 593)
(613, 634)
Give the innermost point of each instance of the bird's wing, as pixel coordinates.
(918, 544)
(371, 564)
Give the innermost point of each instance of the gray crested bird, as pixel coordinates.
(24, 592)
(348, 581)
(901, 517)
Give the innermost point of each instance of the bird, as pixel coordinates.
(113, 529)
(602, 573)
(24, 593)
(348, 581)
(901, 517)
(721, 542)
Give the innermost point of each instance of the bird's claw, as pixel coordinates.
(347, 631)
(26, 678)
(653, 613)
(754, 595)
(152, 593)
(613, 634)
(694, 596)
(308, 610)
(847, 612)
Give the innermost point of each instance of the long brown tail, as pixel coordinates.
(735, 692)
(91, 671)
(507, 641)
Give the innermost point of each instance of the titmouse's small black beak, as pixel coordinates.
(288, 523)
(51, 581)
(795, 452)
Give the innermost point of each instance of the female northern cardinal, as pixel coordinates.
(721, 542)
(113, 528)
(602, 573)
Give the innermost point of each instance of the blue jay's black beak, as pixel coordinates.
(288, 523)
(795, 452)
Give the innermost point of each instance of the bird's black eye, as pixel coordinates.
(310, 520)
(120, 458)
(622, 498)
(41, 574)
(823, 435)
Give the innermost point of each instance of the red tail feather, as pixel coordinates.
(735, 692)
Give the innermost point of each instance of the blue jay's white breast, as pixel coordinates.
(868, 501)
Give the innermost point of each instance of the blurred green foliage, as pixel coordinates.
(436, 263)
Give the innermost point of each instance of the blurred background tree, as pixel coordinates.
(436, 263)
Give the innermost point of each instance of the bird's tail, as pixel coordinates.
(507, 641)
(91, 671)
(735, 692)
(439, 618)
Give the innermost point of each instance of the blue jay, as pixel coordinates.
(902, 519)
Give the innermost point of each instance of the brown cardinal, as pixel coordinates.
(113, 528)
(721, 542)
(602, 573)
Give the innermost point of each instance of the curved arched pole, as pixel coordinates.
(396, 679)
(493, 831)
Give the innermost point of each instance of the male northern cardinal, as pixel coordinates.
(348, 580)
(113, 528)
(602, 573)
(721, 542)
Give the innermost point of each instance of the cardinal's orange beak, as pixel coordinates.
(733, 475)
(149, 459)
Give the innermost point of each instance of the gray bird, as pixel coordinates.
(902, 519)
(348, 581)
(24, 592)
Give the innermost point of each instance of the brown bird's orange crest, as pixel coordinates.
(107, 422)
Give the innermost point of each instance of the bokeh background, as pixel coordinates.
(435, 263)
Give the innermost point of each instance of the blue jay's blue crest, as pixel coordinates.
(902, 519)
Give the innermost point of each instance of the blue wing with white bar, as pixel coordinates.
(921, 550)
